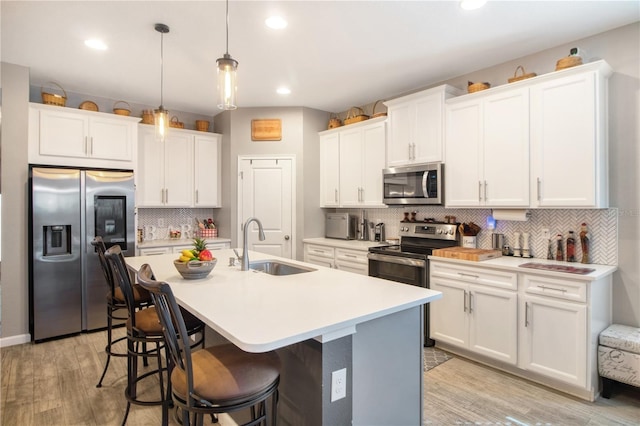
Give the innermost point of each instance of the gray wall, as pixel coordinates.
(300, 127)
(14, 292)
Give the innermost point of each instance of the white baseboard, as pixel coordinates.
(14, 340)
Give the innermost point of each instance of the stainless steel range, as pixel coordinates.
(408, 262)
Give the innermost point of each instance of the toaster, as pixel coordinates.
(342, 226)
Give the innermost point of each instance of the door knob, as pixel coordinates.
(286, 237)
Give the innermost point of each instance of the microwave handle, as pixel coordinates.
(425, 193)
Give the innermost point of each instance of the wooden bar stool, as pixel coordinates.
(219, 379)
(145, 330)
(116, 302)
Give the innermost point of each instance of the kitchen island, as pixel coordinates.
(318, 322)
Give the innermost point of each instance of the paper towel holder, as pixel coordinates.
(520, 215)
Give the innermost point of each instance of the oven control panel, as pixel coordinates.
(436, 231)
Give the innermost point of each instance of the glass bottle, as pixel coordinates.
(571, 247)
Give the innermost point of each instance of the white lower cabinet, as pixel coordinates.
(475, 316)
(149, 251)
(538, 326)
(553, 328)
(153, 251)
(338, 258)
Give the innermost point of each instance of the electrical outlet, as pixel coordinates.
(546, 235)
(338, 384)
(161, 223)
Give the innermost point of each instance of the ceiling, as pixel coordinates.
(332, 55)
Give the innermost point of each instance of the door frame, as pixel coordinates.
(294, 205)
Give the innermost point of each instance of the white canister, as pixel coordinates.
(469, 241)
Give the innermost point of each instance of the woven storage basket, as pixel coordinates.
(88, 106)
(522, 76)
(355, 115)
(476, 87)
(375, 114)
(175, 123)
(207, 233)
(568, 62)
(147, 117)
(120, 110)
(52, 98)
(334, 121)
(202, 125)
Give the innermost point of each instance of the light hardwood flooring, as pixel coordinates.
(53, 383)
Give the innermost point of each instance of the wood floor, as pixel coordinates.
(53, 383)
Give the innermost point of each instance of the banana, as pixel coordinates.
(188, 253)
(185, 259)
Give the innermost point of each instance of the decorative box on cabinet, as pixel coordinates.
(182, 171)
(79, 138)
(351, 163)
(416, 126)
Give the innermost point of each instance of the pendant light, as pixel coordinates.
(161, 115)
(227, 76)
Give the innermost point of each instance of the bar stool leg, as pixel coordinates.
(108, 347)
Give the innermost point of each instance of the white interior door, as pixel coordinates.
(266, 191)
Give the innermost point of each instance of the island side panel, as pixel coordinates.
(387, 370)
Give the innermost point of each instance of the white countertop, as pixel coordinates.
(178, 242)
(513, 264)
(260, 312)
(348, 244)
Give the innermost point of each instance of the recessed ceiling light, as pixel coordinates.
(95, 43)
(283, 91)
(276, 22)
(472, 4)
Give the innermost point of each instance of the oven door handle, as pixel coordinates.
(397, 260)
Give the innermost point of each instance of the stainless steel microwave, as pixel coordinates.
(419, 184)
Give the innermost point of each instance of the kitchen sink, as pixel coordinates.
(276, 267)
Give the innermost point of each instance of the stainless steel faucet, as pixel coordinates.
(245, 251)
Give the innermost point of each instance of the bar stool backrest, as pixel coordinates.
(98, 244)
(173, 325)
(121, 275)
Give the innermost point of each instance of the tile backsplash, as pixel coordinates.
(602, 225)
(156, 223)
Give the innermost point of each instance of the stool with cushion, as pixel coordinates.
(116, 302)
(619, 357)
(219, 379)
(144, 327)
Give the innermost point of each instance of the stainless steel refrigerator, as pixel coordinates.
(67, 209)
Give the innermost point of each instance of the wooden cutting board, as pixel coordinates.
(465, 253)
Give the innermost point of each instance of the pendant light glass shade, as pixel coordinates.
(161, 115)
(227, 82)
(161, 120)
(227, 76)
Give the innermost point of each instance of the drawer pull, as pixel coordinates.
(468, 275)
(544, 287)
(318, 251)
(350, 255)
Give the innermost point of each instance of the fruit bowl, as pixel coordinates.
(195, 269)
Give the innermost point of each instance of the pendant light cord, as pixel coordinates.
(227, 27)
(161, 69)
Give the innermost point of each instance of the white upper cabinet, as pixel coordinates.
(182, 171)
(569, 140)
(416, 126)
(488, 151)
(351, 163)
(207, 159)
(65, 136)
(540, 142)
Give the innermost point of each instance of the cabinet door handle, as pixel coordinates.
(479, 191)
(544, 287)
(462, 274)
(162, 195)
(465, 301)
(538, 188)
(86, 145)
(414, 150)
(196, 195)
(526, 314)
(336, 196)
(470, 302)
(485, 190)
(91, 145)
(409, 146)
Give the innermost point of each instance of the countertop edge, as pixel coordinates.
(169, 242)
